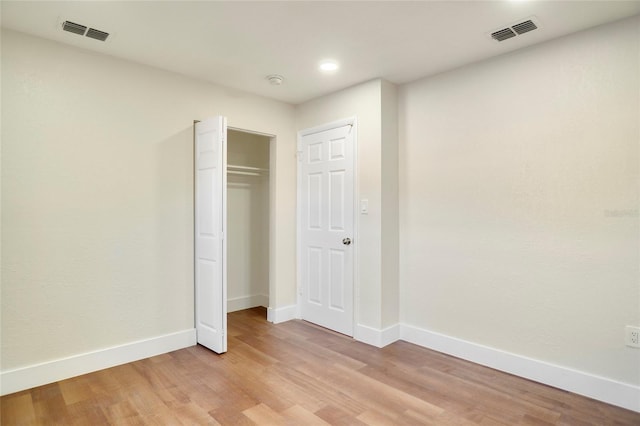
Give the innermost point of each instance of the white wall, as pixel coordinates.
(519, 202)
(390, 206)
(364, 101)
(247, 149)
(247, 223)
(97, 197)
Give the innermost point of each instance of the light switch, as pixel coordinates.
(364, 206)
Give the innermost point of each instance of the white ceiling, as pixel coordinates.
(237, 44)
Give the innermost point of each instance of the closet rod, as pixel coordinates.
(235, 172)
(247, 169)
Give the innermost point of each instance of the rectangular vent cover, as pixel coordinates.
(504, 34)
(72, 27)
(524, 27)
(514, 30)
(97, 34)
(81, 30)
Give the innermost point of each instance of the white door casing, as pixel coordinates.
(210, 220)
(326, 225)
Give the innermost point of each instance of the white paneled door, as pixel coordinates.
(210, 229)
(326, 225)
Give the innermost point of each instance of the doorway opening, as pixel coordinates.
(248, 219)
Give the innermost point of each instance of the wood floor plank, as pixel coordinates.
(297, 373)
(75, 390)
(18, 409)
(86, 412)
(402, 399)
(120, 411)
(48, 403)
(262, 414)
(337, 416)
(297, 415)
(375, 418)
(330, 395)
(192, 414)
(453, 418)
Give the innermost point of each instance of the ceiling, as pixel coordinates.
(237, 44)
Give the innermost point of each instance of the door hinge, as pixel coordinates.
(299, 155)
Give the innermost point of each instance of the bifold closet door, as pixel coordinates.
(210, 229)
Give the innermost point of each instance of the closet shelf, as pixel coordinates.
(246, 171)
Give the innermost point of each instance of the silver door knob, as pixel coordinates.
(346, 241)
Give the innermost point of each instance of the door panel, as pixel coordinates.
(337, 267)
(337, 200)
(326, 203)
(314, 277)
(210, 229)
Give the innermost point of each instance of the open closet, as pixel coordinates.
(247, 220)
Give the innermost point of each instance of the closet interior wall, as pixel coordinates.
(247, 220)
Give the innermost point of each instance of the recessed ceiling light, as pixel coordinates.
(328, 66)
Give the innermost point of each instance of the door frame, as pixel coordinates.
(353, 122)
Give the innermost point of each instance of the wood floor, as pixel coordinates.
(298, 374)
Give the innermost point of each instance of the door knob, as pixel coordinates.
(346, 241)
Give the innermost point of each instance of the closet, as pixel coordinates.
(247, 220)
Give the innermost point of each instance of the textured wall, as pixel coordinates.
(97, 197)
(390, 256)
(519, 201)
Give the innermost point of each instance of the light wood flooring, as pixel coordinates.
(299, 374)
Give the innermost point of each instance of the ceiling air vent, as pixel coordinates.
(503, 34)
(72, 27)
(97, 34)
(83, 30)
(523, 27)
(515, 29)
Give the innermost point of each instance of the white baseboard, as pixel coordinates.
(283, 314)
(376, 337)
(247, 302)
(61, 369)
(600, 388)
